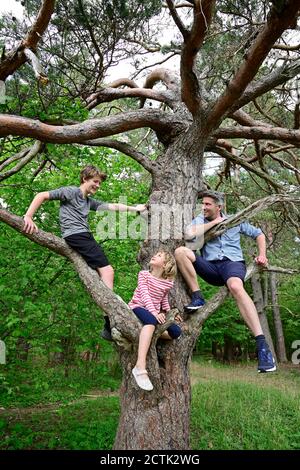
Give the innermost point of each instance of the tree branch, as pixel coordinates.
(169, 79)
(6, 162)
(249, 212)
(107, 95)
(244, 164)
(118, 311)
(297, 115)
(187, 4)
(278, 269)
(159, 62)
(164, 75)
(190, 91)
(287, 47)
(123, 82)
(245, 119)
(284, 164)
(125, 148)
(176, 18)
(156, 119)
(29, 155)
(90, 30)
(16, 57)
(277, 23)
(277, 77)
(265, 115)
(291, 136)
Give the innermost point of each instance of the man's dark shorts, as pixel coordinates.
(218, 272)
(85, 244)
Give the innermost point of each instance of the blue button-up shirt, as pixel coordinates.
(229, 244)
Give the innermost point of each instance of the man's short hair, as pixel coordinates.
(215, 195)
(89, 172)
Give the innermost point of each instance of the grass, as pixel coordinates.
(42, 408)
(232, 408)
(235, 409)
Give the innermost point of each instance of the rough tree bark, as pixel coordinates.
(258, 299)
(165, 412)
(279, 336)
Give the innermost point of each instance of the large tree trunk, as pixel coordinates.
(22, 348)
(160, 419)
(279, 336)
(258, 299)
(228, 353)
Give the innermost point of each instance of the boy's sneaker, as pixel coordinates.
(266, 361)
(194, 305)
(106, 334)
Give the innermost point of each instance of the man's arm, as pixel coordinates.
(199, 230)
(261, 259)
(29, 225)
(124, 208)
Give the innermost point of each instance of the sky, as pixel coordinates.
(11, 6)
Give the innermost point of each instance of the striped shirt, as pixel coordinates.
(151, 293)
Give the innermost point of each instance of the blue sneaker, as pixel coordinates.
(194, 305)
(266, 361)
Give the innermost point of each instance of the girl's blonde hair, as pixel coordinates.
(170, 267)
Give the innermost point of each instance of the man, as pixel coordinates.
(222, 263)
(75, 204)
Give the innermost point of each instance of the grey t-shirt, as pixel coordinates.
(74, 209)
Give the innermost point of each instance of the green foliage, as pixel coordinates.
(45, 312)
(32, 102)
(76, 427)
(125, 9)
(36, 382)
(225, 322)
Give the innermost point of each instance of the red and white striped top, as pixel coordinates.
(151, 293)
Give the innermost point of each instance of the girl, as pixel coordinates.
(149, 301)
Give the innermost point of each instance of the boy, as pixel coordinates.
(75, 204)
